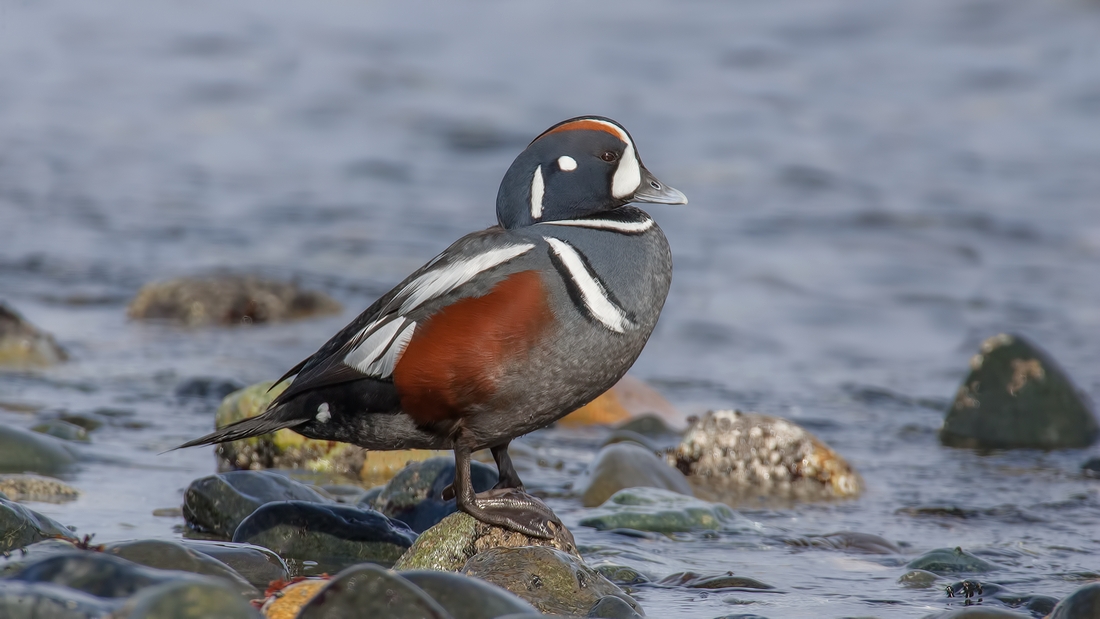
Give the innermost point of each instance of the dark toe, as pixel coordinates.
(518, 511)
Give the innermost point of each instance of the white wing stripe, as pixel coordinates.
(438, 282)
(383, 366)
(374, 345)
(628, 227)
(592, 292)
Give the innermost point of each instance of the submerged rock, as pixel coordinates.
(918, 579)
(22, 345)
(20, 527)
(661, 511)
(332, 536)
(218, 503)
(1016, 396)
(59, 428)
(100, 574)
(628, 398)
(728, 580)
(613, 607)
(736, 457)
(37, 488)
(23, 451)
(226, 299)
(286, 449)
(627, 465)
(450, 544)
(467, 598)
(849, 541)
(258, 565)
(370, 591)
(415, 495)
(979, 612)
(552, 581)
(187, 600)
(1084, 603)
(167, 555)
(32, 600)
(951, 561)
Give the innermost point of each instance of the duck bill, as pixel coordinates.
(653, 191)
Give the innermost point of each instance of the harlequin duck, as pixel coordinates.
(507, 330)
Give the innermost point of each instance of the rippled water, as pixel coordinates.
(875, 187)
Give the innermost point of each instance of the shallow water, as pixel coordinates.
(875, 188)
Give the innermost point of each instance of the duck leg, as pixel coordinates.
(507, 477)
(505, 508)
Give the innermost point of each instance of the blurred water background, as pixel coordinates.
(875, 188)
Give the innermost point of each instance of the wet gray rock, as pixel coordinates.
(23, 345)
(59, 428)
(621, 574)
(334, 536)
(691, 580)
(451, 543)
(13, 561)
(370, 591)
(736, 457)
(167, 555)
(552, 581)
(979, 612)
(100, 574)
(258, 565)
(951, 561)
(23, 451)
(226, 299)
(849, 541)
(187, 600)
(918, 579)
(627, 465)
(655, 430)
(467, 598)
(218, 503)
(415, 495)
(28, 600)
(661, 511)
(37, 488)
(20, 527)
(1016, 396)
(1091, 468)
(612, 607)
(207, 388)
(1084, 603)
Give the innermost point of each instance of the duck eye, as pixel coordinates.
(609, 156)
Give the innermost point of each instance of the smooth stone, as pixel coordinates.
(258, 565)
(334, 536)
(344, 493)
(59, 428)
(450, 544)
(207, 388)
(21, 527)
(465, 597)
(100, 574)
(187, 600)
(621, 574)
(951, 561)
(657, 510)
(167, 555)
(979, 612)
(691, 580)
(219, 503)
(849, 541)
(627, 465)
(739, 458)
(12, 562)
(37, 488)
(286, 449)
(1016, 396)
(227, 299)
(22, 345)
(23, 451)
(370, 591)
(627, 436)
(918, 579)
(630, 397)
(612, 607)
(415, 495)
(650, 426)
(32, 600)
(89, 422)
(1084, 603)
(552, 581)
(1091, 468)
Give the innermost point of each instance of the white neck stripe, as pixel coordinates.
(606, 224)
(538, 187)
(595, 298)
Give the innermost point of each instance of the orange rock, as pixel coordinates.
(630, 397)
(285, 603)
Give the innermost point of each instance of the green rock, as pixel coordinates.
(258, 565)
(166, 555)
(612, 607)
(450, 544)
(1084, 603)
(627, 465)
(951, 561)
(22, 345)
(59, 428)
(20, 527)
(218, 503)
(37, 488)
(552, 581)
(1016, 396)
(187, 600)
(621, 574)
(661, 511)
(918, 579)
(467, 598)
(23, 451)
(370, 591)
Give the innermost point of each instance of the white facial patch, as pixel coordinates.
(538, 187)
(567, 163)
(595, 297)
(628, 176)
(323, 414)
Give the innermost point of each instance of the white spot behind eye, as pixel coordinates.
(537, 189)
(567, 163)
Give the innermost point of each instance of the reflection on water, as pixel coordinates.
(874, 189)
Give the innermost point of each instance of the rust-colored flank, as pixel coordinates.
(456, 356)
